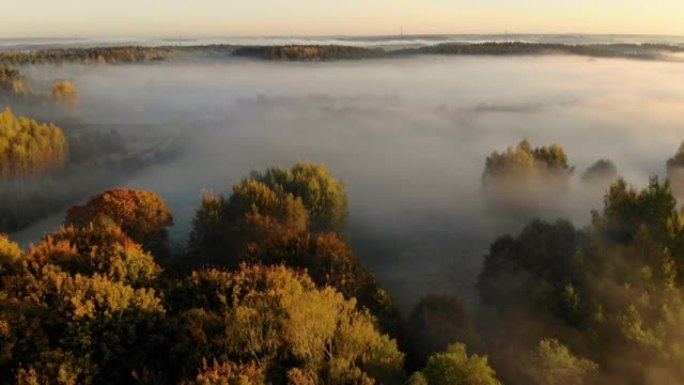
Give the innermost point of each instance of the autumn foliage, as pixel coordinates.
(64, 91)
(142, 215)
(29, 148)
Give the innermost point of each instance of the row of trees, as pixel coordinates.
(13, 86)
(309, 52)
(28, 147)
(523, 176)
(97, 55)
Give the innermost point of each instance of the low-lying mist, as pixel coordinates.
(408, 136)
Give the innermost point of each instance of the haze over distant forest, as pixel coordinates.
(400, 209)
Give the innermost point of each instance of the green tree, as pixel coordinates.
(612, 289)
(455, 367)
(268, 204)
(551, 363)
(222, 227)
(536, 269)
(323, 195)
(522, 176)
(281, 322)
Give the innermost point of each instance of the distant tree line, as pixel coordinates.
(138, 54)
(99, 55)
(309, 52)
(634, 51)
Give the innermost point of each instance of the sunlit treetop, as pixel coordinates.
(278, 319)
(526, 160)
(627, 210)
(277, 201)
(253, 198)
(552, 363)
(455, 366)
(96, 249)
(29, 148)
(322, 194)
(142, 215)
(10, 254)
(64, 91)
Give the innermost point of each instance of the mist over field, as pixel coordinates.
(409, 137)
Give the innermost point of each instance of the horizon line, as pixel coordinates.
(267, 36)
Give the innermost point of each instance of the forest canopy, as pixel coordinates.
(29, 148)
(612, 292)
(299, 52)
(281, 298)
(88, 305)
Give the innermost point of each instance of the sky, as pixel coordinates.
(102, 18)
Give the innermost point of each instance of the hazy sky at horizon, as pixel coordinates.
(97, 18)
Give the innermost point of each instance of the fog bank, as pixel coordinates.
(408, 136)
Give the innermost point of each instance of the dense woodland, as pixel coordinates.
(309, 53)
(98, 55)
(269, 292)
